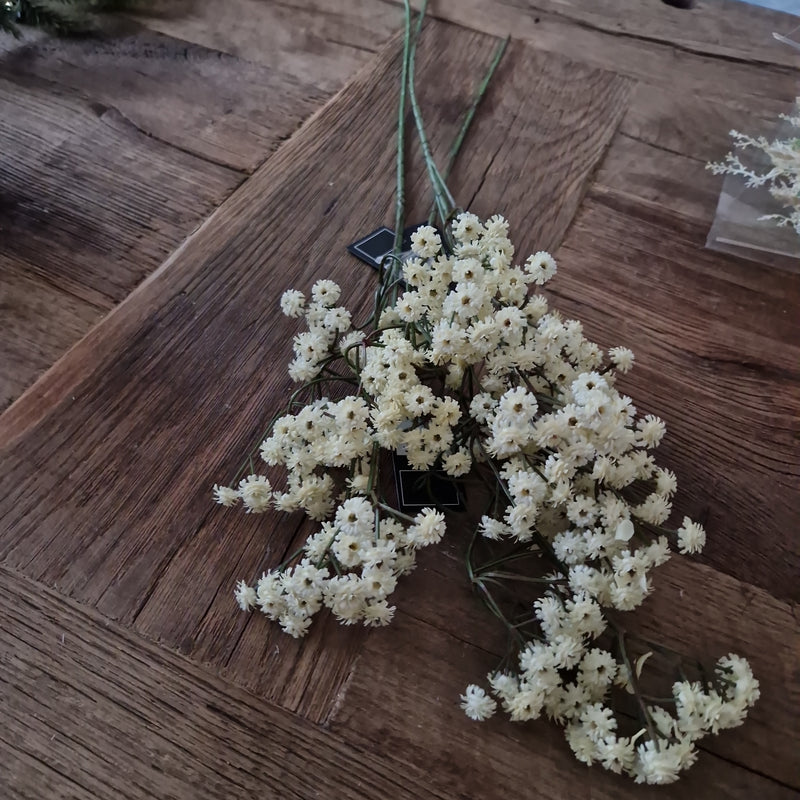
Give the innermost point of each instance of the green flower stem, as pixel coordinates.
(373, 468)
(512, 556)
(390, 264)
(391, 510)
(399, 208)
(470, 115)
(285, 563)
(465, 125)
(327, 553)
(473, 541)
(491, 604)
(634, 682)
(540, 540)
(337, 567)
(513, 576)
(445, 202)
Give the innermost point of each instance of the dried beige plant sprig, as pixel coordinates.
(781, 173)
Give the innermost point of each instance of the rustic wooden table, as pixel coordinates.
(160, 189)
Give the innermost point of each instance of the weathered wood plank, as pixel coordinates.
(539, 125)
(200, 348)
(738, 32)
(40, 320)
(113, 151)
(692, 52)
(693, 125)
(89, 205)
(90, 200)
(91, 710)
(669, 185)
(217, 106)
(322, 45)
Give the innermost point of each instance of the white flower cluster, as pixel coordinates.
(468, 369)
(781, 177)
(325, 320)
(567, 678)
(369, 554)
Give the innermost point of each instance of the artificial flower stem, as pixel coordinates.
(634, 682)
(444, 199)
(511, 576)
(393, 511)
(467, 122)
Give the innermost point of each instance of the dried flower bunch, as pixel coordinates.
(464, 368)
(781, 175)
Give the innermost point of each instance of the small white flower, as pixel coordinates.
(245, 596)
(598, 721)
(355, 517)
(655, 509)
(425, 242)
(482, 406)
(691, 537)
(428, 528)
(467, 228)
(493, 528)
(541, 266)
(378, 613)
(293, 303)
(256, 493)
(597, 668)
(616, 754)
(477, 704)
(337, 319)
(661, 763)
(296, 625)
(326, 293)
(651, 430)
(458, 463)
(621, 358)
(226, 496)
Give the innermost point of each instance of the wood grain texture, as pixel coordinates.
(322, 44)
(178, 380)
(90, 710)
(213, 105)
(693, 125)
(649, 42)
(736, 33)
(718, 28)
(717, 50)
(90, 205)
(41, 320)
(113, 151)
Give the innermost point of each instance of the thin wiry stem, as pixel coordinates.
(445, 202)
(455, 148)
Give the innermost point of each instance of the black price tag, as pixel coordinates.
(375, 246)
(417, 489)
